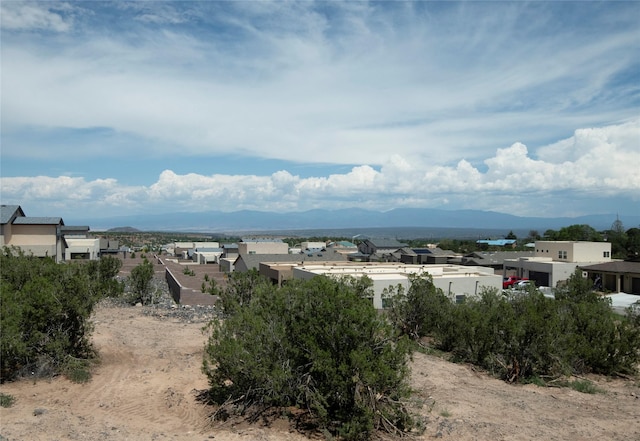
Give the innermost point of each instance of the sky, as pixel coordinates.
(124, 108)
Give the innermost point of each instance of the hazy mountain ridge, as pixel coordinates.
(347, 219)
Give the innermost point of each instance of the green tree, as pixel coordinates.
(45, 309)
(633, 243)
(417, 311)
(239, 289)
(511, 235)
(318, 345)
(140, 282)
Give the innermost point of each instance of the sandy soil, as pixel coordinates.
(146, 385)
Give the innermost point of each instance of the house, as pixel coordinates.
(380, 249)
(429, 256)
(313, 246)
(81, 248)
(207, 255)
(39, 236)
(262, 246)
(494, 259)
(618, 276)
(246, 262)
(109, 246)
(554, 262)
(455, 281)
(186, 250)
(343, 247)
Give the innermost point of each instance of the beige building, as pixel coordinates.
(81, 248)
(262, 246)
(40, 236)
(555, 261)
(455, 281)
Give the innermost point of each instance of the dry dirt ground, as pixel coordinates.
(146, 385)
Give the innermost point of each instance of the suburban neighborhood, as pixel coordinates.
(387, 262)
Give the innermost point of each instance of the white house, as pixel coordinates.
(455, 281)
(555, 261)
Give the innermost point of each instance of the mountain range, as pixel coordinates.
(351, 221)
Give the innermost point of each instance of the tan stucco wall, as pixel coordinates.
(245, 248)
(575, 251)
(33, 235)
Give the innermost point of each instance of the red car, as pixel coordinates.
(508, 282)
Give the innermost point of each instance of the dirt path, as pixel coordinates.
(145, 389)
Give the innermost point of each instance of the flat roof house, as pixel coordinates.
(555, 261)
(454, 280)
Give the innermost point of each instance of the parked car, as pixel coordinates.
(523, 284)
(508, 282)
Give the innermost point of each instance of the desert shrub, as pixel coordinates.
(6, 400)
(318, 345)
(527, 335)
(142, 290)
(239, 289)
(598, 340)
(105, 270)
(45, 309)
(420, 309)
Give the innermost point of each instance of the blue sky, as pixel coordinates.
(114, 108)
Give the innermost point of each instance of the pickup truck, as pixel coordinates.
(508, 282)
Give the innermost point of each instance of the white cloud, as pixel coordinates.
(35, 16)
(363, 81)
(602, 162)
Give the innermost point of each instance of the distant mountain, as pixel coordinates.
(123, 230)
(348, 220)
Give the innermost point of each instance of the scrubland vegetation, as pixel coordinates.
(46, 309)
(318, 346)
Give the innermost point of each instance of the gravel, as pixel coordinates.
(165, 307)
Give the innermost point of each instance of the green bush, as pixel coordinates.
(45, 309)
(140, 283)
(318, 345)
(418, 311)
(525, 335)
(239, 289)
(6, 400)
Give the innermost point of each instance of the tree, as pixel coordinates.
(618, 238)
(240, 289)
(318, 345)
(511, 235)
(420, 309)
(633, 243)
(140, 281)
(45, 309)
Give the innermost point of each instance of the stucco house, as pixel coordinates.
(380, 248)
(455, 281)
(554, 262)
(40, 236)
(262, 246)
(615, 276)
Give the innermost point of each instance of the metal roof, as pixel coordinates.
(386, 243)
(8, 211)
(38, 221)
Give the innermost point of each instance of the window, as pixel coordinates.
(562, 254)
(606, 254)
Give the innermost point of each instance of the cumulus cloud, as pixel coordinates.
(509, 174)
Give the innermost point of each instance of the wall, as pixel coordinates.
(263, 248)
